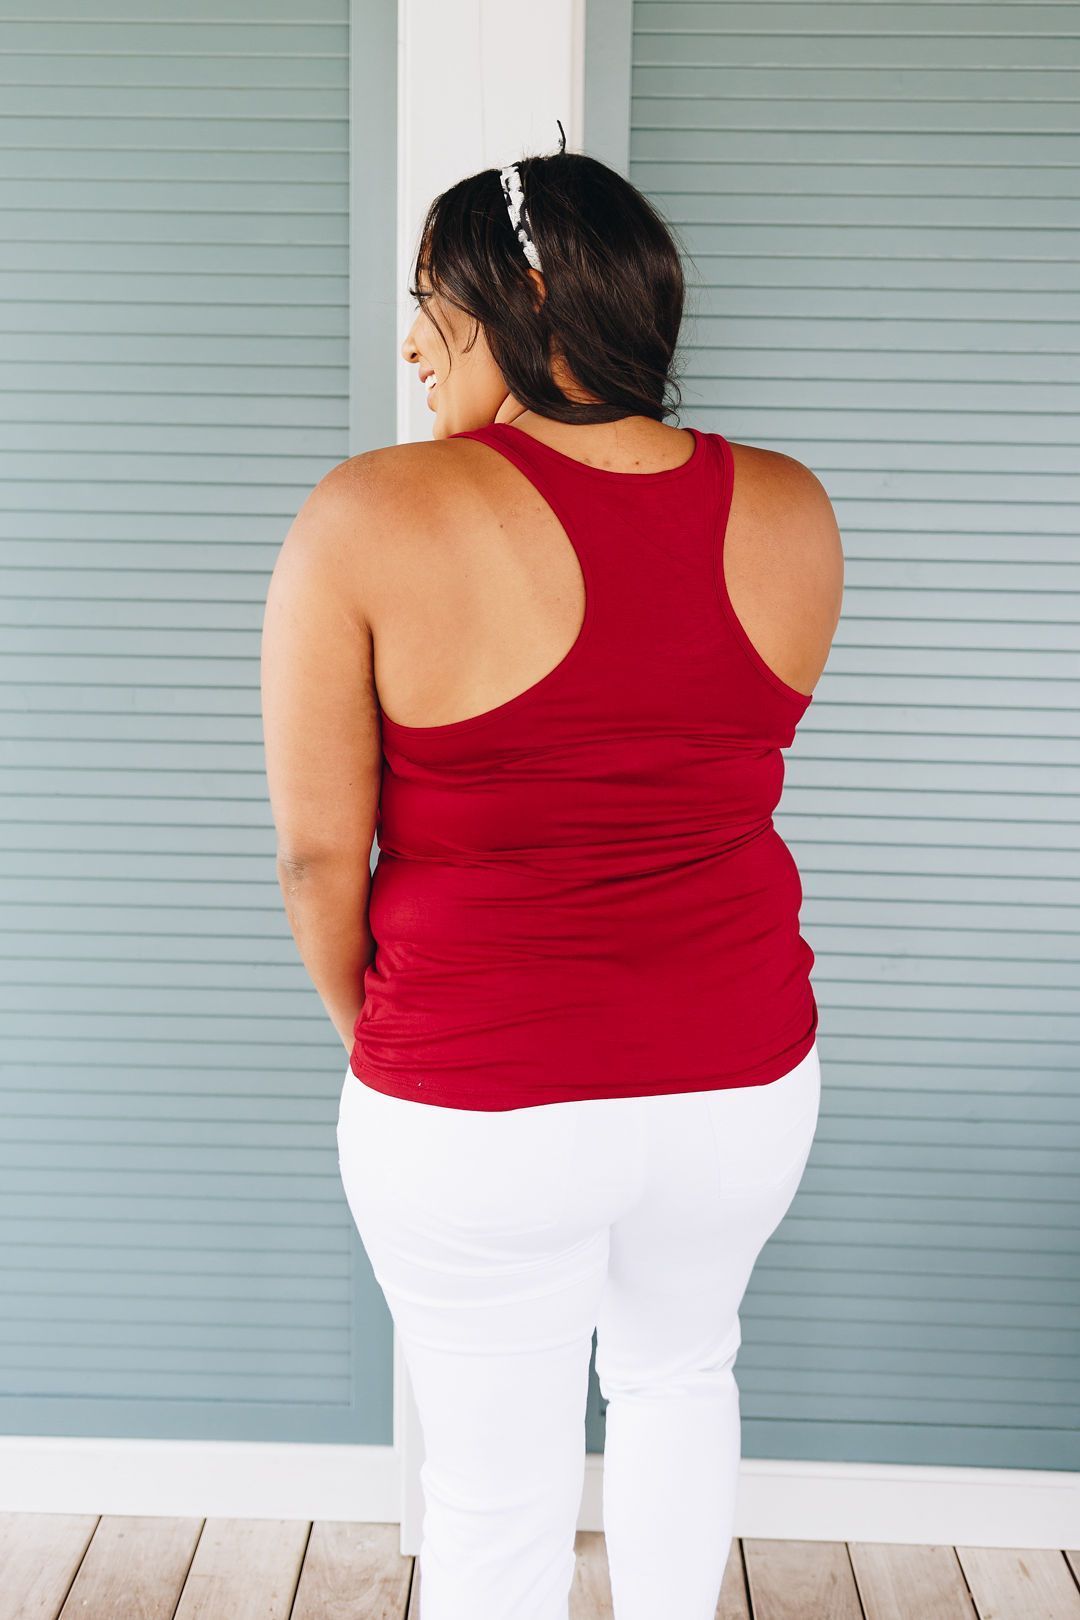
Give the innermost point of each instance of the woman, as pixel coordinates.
(552, 658)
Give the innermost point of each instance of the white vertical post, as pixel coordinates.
(480, 83)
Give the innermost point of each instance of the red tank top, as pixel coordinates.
(580, 893)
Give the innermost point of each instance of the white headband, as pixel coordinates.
(514, 196)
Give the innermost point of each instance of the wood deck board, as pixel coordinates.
(244, 1569)
(794, 1580)
(896, 1581)
(1019, 1584)
(40, 1555)
(353, 1569)
(133, 1565)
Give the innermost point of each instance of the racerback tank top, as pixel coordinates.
(581, 893)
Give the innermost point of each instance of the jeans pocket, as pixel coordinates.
(763, 1134)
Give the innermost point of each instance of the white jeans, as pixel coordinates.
(500, 1241)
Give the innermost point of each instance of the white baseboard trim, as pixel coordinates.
(797, 1501)
(202, 1479)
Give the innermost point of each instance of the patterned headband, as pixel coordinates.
(514, 197)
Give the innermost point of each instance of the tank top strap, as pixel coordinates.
(595, 504)
(549, 471)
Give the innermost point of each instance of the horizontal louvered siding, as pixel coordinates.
(879, 206)
(177, 1257)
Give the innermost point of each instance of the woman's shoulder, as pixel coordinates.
(377, 522)
(387, 471)
(784, 560)
(785, 501)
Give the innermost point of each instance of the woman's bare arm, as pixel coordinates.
(321, 737)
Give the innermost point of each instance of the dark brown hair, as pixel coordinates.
(613, 285)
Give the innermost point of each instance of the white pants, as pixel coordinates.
(500, 1241)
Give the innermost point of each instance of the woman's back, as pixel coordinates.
(580, 891)
(475, 591)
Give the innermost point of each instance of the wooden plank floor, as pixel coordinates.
(56, 1566)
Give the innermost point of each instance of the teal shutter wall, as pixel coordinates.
(880, 207)
(177, 1256)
